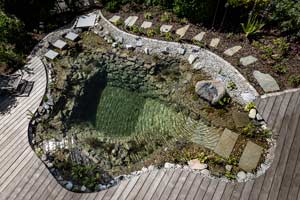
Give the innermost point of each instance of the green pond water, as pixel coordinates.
(126, 114)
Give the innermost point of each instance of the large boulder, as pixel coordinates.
(212, 91)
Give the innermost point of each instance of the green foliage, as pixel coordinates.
(253, 26)
(281, 45)
(184, 21)
(280, 69)
(10, 27)
(148, 15)
(248, 3)
(249, 130)
(231, 85)
(151, 32)
(135, 29)
(294, 80)
(230, 175)
(165, 17)
(168, 36)
(113, 6)
(224, 101)
(232, 161)
(249, 106)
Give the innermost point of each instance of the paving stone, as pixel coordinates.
(199, 37)
(130, 21)
(165, 28)
(250, 156)
(51, 54)
(181, 32)
(232, 50)
(59, 44)
(266, 81)
(181, 51)
(245, 61)
(114, 19)
(241, 119)
(214, 42)
(146, 25)
(226, 143)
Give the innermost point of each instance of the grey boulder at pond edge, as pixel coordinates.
(212, 90)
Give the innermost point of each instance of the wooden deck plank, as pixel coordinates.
(147, 184)
(171, 184)
(154, 184)
(163, 183)
(110, 192)
(228, 191)
(219, 190)
(53, 191)
(247, 190)
(287, 145)
(180, 183)
(268, 108)
(203, 188)
(187, 185)
(139, 184)
(237, 191)
(262, 105)
(129, 187)
(211, 189)
(194, 188)
(100, 195)
(274, 112)
(120, 189)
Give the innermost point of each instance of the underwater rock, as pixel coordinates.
(212, 91)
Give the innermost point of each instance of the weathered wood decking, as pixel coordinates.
(24, 176)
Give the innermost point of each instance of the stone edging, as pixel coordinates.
(279, 93)
(209, 62)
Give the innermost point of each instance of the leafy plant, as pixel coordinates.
(231, 85)
(151, 32)
(253, 26)
(281, 45)
(135, 29)
(249, 106)
(184, 21)
(165, 17)
(113, 6)
(230, 175)
(148, 15)
(294, 80)
(224, 101)
(249, 130)
(280, 69)
(168, 36)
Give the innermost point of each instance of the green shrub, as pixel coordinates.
(281, 45)
(249, 106)
(280, 69)
(113, 6)
(253, 26)
(168, 36)
(294, 80)
(151, 33)
(166, 17)
(231, 85)
(148, 15)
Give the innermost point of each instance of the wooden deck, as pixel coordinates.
(24, 176)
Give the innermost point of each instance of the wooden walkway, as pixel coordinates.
(24, 176)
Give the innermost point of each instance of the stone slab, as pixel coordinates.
(114, 19)
(214, 42)
(266, 81)
(248, 60)
(165, 28)
(71, 36)
(130, 21)
(59, 44)
(146, 24)
(51, 54)
(199, 37)
(181, 31)
(232, 50)
(250, 156)
(226, 143)
(240, 119)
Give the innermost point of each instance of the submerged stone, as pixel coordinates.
(212, 91)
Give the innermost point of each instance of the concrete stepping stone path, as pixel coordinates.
(266, 81)
(250, 156)
(130, 21)
(165, 28)
(199, 37)
(248, 60)
(232, 50)
(181, 32)
(226, 143)
(146, 24)
(115, 19)
(214, 42)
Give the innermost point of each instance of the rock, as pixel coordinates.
(232, 51)
(228, 168)
(120, 40)
(130, 21)
(250, 156)
(69, 185)
(226, 143)
(146, 25)
(115, 19)
(248, 97)
(129, 47)
(259, 117)
(266, 81)
(241, 176)
(102, 187)
(181, 51)
(83, 188)
(165, 50)
(196, 165)
(181, 31)
(205, 172)
(245, 61)
(169, 165)
(214, 42)
(252, 113)
(199, 37)
(165, 28)
(114, 45)
(147, 51)
(212, 91)
(241, 119)
(139, 43)
(192, 58)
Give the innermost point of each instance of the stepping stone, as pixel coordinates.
(245, 61)
(130, 21)
(232, 51)
(240, 119)
(250, 156)
(181, 32)
(165, 28)
(199, 37)
(226, 143)
(51, 54)
(214, 42)
(115, 19)
(146, 25)
(59, 44)
(266, 81)
(71, 36)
